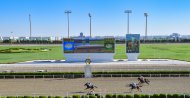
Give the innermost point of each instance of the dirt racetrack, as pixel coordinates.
(105, 85)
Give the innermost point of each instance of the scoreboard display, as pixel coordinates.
(89, 45)
(132, 43)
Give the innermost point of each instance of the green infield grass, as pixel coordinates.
(28, 53)
(159, 51)
(54, 53)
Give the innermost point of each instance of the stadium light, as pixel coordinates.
(68, 12)
(30, 22)
(90, 24)
(146, 15)
(128, 12)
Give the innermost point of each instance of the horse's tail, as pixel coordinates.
(147, 80)
(138, 79)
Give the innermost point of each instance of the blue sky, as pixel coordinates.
(108, 17)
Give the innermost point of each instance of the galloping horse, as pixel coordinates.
(90, 86)
(141, 81)
(135, 87)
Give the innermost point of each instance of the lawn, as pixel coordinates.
(159, 51)
(170, 51)
(54, 53)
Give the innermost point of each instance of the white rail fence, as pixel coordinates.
(94, 75)
(79, 69)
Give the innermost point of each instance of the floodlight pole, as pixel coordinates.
(30, 26)
(12, 37)
(128, 12)
(68, 12)
(146, 15)
(90, 24)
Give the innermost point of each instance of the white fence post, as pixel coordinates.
(166, 95)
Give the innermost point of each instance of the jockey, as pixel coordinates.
(90, 84)
(134, 85)
(142, 78)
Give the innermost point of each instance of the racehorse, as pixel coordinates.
(135, 87)
(90, 86)
(141, 81)
(129, 47)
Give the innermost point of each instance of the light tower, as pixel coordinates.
(128, 12)
(90, 24)
(68, 12)
(30, 22)
(146, 15)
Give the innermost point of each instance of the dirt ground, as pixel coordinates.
(76, 86)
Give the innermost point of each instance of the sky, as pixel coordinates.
(108, 17)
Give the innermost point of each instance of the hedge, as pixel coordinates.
(129, 96)
(163, 95)
(78, 73)
(109, 96)
(76, 96)
(144, 96)
(120, 96)
(137, 96)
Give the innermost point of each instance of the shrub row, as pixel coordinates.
(75, 73)
(132, 96)
(110, 96)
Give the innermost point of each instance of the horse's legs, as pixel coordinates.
(140, 83)
(131, 90)
(139, 89)
(92, 89)
(86, 88)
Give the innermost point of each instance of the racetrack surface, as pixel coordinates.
(76, 86)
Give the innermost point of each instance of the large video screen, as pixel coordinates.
(132, 43)
(89, 45)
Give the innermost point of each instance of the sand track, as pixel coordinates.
(105, 85)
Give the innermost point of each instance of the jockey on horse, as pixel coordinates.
(90, 86)
(143, 80)
(135, 86)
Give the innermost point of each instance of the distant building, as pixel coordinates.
(1, 39)
(81, 35)
(6, 38)
(185, 36)
(47, 38)
(23, 38)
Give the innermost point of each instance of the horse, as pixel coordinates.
(129, 47)
(135, 87)
(141, 81)
(90, 86)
